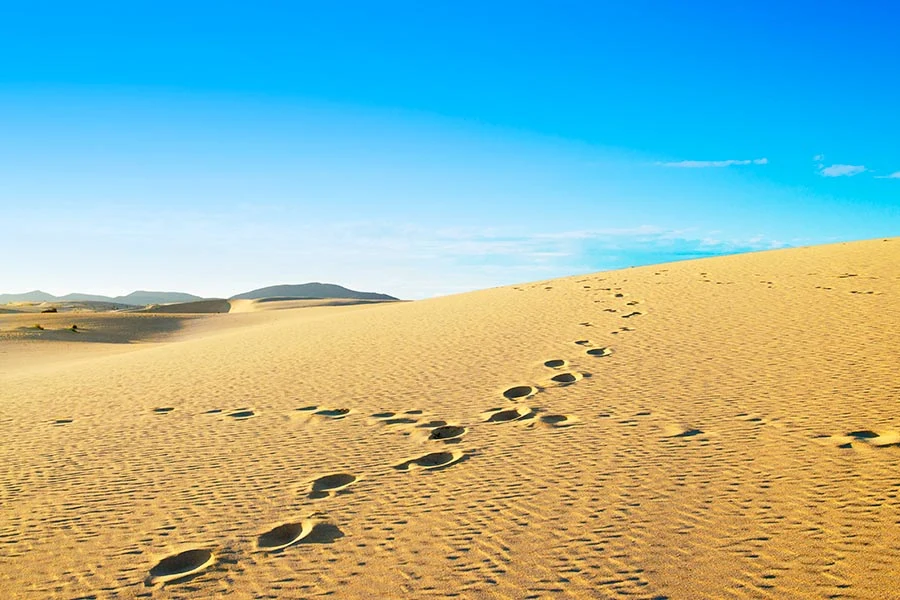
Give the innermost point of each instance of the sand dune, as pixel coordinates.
(719, 428)
(193, 307)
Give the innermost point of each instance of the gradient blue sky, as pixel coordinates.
(424, 148)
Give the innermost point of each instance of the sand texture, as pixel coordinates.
(718, 428)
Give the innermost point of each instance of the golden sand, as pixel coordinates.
(718, 428)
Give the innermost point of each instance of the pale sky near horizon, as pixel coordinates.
(421, 149)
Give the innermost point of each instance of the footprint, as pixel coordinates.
(383, 415)
(680, 431)
(59, 422)
(180, 566)
(434, 460)
(586, 324)
(308, 408)
(599, 352)
(329, 485)
(283, 536)
(566, 378)
(400, 421)
(631, 314)
(559, 420)
(507, 415)
(213, 411)
(556, 363)
(688, 433)
(432, 424)
(519, 392)
(333, 413)
(447, 432)
(163, 410)
(583, 342)
(242, 414)
(864, 434)
(871, 438)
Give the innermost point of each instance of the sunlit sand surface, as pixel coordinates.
(718, 428)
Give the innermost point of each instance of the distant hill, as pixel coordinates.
(84, 298)
(310, 290)
(142, 298)
(139, 298)
(314, 290)
(35, 296)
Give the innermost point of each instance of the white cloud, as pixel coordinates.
(841, 170)
(702, 164)
(819, 157)
(891, 176)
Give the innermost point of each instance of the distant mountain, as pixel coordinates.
(310, 290)
(83, 298)
(139, 298)
(35, 296)
(142, 298)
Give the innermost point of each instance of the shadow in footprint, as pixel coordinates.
(447, 432)
(507, 415)
(383, 415)
(556, 363)
(241, 415)
(329, 485)
(519, 392)
(333, 413)
(599, 352)
(432, 461)
(400, 421)
(688, 433)
(59, 422)
(180, 566)
(284, 535)
(163, 410)
(566, 378)
(323, 533)
(558, 420)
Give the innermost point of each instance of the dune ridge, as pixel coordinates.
(714, 428)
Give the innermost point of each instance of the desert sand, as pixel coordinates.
(716, 428)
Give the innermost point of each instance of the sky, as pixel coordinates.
(429, 148)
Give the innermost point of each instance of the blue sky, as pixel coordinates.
(425, 148)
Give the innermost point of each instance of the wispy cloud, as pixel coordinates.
(841, 170)
(235, 251)
(891, 176)
(704, 164)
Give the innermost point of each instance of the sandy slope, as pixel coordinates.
(738, 439)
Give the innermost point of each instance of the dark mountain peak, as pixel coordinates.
(313, 289)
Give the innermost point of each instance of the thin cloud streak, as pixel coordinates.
(704, 164)
(891, 176)
(841, 170)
